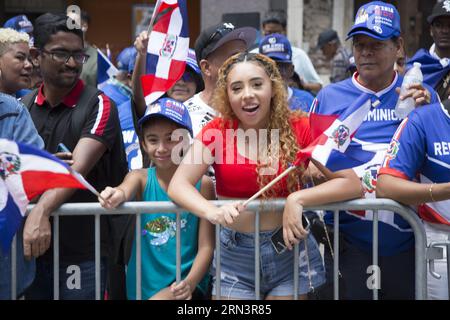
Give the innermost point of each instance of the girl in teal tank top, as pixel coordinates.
(159, 245)
(158, 241)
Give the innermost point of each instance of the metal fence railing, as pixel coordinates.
(138, 208)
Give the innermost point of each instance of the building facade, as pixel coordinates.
(113, 22)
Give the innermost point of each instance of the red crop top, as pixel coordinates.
(236, 175)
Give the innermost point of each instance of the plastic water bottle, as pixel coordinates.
(413, 76)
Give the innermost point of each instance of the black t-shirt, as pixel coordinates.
(56, 125)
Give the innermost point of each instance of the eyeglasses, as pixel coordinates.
(64, 56)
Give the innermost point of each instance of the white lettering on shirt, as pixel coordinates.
(442, 148)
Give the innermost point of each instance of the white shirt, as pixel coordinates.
(444, 61)
(200, 113)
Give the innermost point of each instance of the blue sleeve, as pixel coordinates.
(24, 130)
(301, 100)
(406, 152)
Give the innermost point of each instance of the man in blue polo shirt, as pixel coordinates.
(376, 42)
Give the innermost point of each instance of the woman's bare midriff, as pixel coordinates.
(246, 220)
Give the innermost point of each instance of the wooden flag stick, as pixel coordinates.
(269, 185)
(85, 183)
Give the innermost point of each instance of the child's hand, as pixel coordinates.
(112, 197)
(181, 291)
(141, 43)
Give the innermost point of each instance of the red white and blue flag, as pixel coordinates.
(332, 135)
(26, 172)
(106, 70)
(167, 49)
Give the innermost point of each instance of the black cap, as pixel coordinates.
(325, 37)
(213, 37)
(440, 9)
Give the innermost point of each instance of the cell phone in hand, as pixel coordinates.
(277, 238)
(62, 148)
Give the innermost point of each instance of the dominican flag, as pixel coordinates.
(332, 135)
(433, 69)
(105, 69)
(167, 50)
(26, 172)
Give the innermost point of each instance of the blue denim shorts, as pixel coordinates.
(237, 263)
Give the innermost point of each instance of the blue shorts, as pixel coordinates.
(237, 252)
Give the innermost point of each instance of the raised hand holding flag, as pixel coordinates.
(167, 49)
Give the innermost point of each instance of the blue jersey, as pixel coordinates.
(130, 137)
(421, 149)
(375, 133)
(116, 91)
(299, 99)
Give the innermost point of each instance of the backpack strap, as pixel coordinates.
(28, 100)
(87, 100)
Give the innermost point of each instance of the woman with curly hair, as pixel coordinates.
(256, 138)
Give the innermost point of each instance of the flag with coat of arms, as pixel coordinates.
(167, 50)
(26, 172)
(332, 135)
(331, 139)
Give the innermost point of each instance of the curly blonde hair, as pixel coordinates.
(280, 117)
(10, 36)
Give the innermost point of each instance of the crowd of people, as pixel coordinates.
(196, 144)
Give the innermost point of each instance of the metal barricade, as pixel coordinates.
(277, 205)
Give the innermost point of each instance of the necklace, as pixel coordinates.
(446, 81)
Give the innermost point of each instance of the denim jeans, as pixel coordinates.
(25, 270)
(276, 272)
(76, 281)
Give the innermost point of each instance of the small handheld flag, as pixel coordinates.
(167, 49)
(105, 69)
(331, 134)
(26, 172)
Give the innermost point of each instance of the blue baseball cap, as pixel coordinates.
(125, 59)
(191, 61)
(377, 19)
(19, 23)
(277, 47)
(171, 109)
